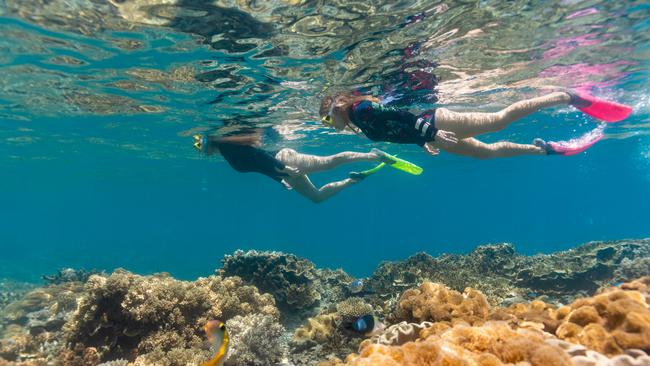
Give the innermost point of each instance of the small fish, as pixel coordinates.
(356, 286)
(367, 325)
(218, 337)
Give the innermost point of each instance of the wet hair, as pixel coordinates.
(342, 103)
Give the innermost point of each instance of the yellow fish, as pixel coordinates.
(218, 337)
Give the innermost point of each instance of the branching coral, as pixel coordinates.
(256, 340)
(157, 318)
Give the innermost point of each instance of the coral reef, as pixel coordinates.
(398, 334)
(437, 303)
(69, 275)
(610, 322)
(256, 340)
(490, 307)
(328, 334)
(156, 317)
(295, 282)
(493, 343)
(507, 278)
(291, 280)
(11, 291)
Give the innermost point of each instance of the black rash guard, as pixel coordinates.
(380, 123)
(245, 158)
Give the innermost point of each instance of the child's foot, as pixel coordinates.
(358, 176)
(544, 145)
(384, 157)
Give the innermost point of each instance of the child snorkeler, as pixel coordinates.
(286, 166)
(454, 132)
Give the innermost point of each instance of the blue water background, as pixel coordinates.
(70, 202)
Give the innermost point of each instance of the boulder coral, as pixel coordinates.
(157, 319)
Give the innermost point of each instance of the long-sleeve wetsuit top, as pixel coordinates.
(245, 158)
(381, 123)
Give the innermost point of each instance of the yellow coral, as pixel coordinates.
(318, 329)
(492, 344)
(435, 302)
(610, 322)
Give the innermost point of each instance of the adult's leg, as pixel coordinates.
(476, 149)
(306, 188)
(313, 163)
(473, 124)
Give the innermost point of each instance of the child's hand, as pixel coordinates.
(290, 171)
(446, 138)
(431, 150)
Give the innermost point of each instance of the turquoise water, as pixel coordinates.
(98, 102)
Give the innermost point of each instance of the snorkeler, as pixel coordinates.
(287, 166)
(454, 132)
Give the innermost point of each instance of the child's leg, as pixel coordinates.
(473, 124)
(306, 188)
(476, 149)
(313, 163)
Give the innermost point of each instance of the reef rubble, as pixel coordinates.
(586, 306)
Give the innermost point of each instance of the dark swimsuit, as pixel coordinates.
(245, 158)
(381, 123)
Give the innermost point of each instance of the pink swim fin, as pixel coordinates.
(600, 108)
(574, 146)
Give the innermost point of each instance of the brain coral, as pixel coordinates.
(435, 302)
(156, 318)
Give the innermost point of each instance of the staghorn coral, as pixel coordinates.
(157, 319)
(256, 340)
(435, 302)
(293, 281)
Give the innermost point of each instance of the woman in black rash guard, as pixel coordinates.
(286, 166)
(440, 128)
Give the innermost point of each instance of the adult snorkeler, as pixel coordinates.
(286, 166)
(454, 132)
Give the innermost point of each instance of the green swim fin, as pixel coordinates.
(398, 163)
(365, 173)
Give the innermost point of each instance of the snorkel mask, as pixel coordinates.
(327, 119)
(200, 143)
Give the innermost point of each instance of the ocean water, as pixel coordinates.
(98, 102)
